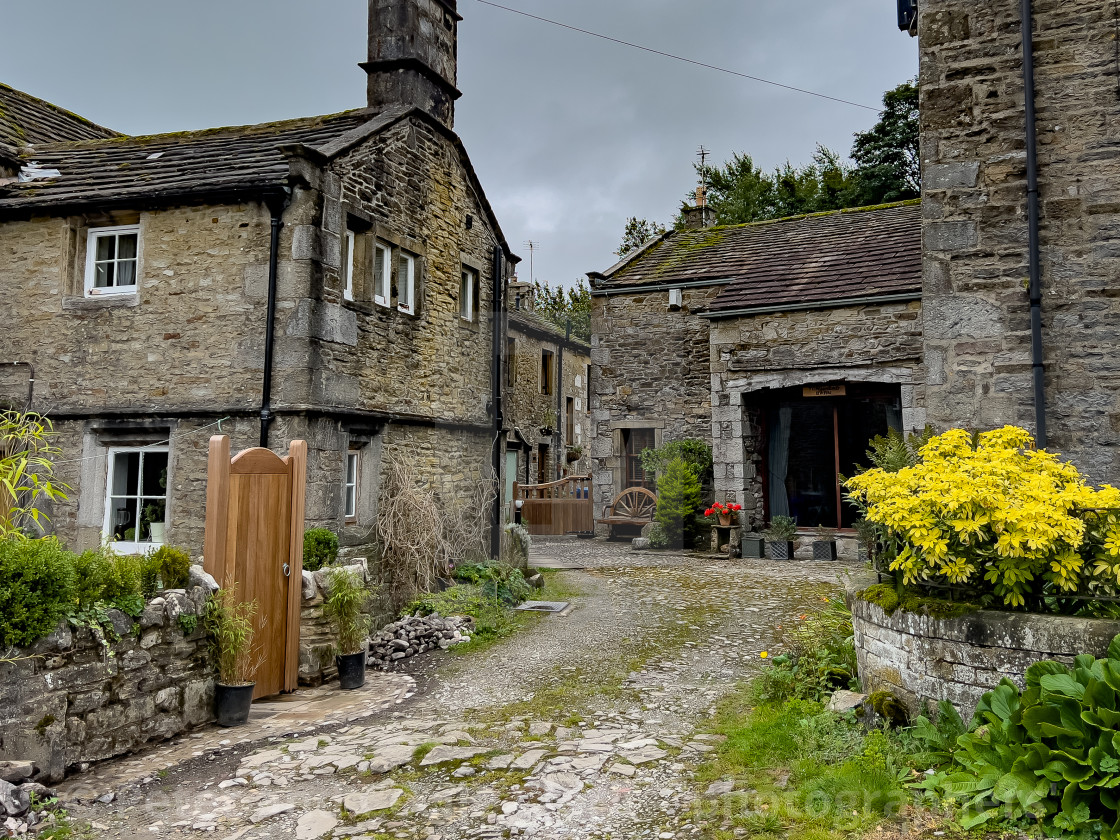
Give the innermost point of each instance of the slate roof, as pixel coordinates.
(26, 119)
(239, 159)
(865, 252)
(527, 320)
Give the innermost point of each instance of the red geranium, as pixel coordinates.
(723, 509)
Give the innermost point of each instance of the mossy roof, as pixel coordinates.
(864, 252)
(29, 120)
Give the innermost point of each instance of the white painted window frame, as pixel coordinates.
(382, 295)
(406, 286)
(467, 284)
(92, 237)
(132, 546)
(351, 241)
(351, 482)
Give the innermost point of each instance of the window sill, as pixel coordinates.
(125, 547)
(80, 304)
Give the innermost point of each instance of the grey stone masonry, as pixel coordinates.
(976, 305)
(924, 660)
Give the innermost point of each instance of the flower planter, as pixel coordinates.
(780, 550)
(753, 547)
(351, 670)
(725, 521)
(232, 703)
(824, 550)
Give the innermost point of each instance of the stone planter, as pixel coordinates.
(824, 550)
(924, 660)
(780, 550)
(232, 703)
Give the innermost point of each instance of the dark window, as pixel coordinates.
(634, 442)
(546, 371)
(542, 463)
(570, 421)
(511, 361)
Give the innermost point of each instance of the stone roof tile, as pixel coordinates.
(26, 119)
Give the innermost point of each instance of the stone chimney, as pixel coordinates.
(521, 296)
(413, 52)
(700, 216)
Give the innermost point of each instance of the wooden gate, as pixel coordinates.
(559, 507)
(254, 536)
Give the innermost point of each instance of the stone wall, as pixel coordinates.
(867, 344)
(924, 660)
(977, 323)
(86, 695)
(651, 370)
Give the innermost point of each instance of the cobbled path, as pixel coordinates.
(587, 725)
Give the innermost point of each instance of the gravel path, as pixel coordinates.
(587, 725)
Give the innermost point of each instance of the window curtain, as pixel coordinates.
(779, 463)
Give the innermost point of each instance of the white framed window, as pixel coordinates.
(382, 273)
(350, 485)
(112, 260)
(136, 498)
(406, 282)
(467, 290)
(348, 288)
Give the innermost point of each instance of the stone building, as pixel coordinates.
(977, 158)
(547, 409)
(787, 345)
(334, 279)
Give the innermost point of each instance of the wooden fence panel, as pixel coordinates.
(254, 537)
(557, 508)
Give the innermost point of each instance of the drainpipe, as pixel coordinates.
(277, 210)
(1037, 365)
(30, 379)
(498, 354)
(561, 418)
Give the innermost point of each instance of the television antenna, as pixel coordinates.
(533, 248)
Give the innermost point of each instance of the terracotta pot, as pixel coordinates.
(725, 519)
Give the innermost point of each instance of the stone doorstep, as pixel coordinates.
(303, 714)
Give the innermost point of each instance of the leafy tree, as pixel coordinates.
(27, 455)
(638, 232)
(888, 164)
(696, 455)
(562, 306)
(678, 500)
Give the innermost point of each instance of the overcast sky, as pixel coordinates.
(570, 134)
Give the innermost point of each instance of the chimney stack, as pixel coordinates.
(413, 51)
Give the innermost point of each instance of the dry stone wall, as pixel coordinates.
(924, 660)
(977, 323)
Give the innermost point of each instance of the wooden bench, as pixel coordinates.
(634, 506)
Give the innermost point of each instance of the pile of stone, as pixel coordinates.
(416, 634)
(22, 801)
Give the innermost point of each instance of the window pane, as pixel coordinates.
(122, 518)
(102, 275)
(351, 502)
(126, 246)
(126, 473)
(126, 273)
(106, 248)
(351, 468)
(381, 269)
(154, 474)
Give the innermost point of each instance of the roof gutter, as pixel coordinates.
(835, 303)
(1038, 366)
(660, 287)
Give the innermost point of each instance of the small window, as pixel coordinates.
(587, 379)
(348, 289)
(382, 273)
(468, 295)
(406, 283)
(136, 499)
(546, 371)
(570, 420)
(350, 486)
(112, 255)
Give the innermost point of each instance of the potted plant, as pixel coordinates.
(154, 514)
(548, 424)
(728, 512)
(345, 608)
(779, 537)
(824, 543)
(574, 453)
(230, 624)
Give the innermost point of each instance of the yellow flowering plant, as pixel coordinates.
(992, 514)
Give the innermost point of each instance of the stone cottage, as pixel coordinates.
(334, 278)
(1022, 221)
(787, 345)
(547, 408)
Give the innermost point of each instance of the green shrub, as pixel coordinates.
(1050, 753)
(492, 619)
(124, 583)
(696, 455)
(320, 548)
(37, 589)
(347, 609)
(174, 565)
(149, 576)
(496, 580)
(91, 570)
(657, 537)
(820, 658)
(678, 499)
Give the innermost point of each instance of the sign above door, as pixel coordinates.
(825, 391)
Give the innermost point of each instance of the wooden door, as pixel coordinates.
(254, 537)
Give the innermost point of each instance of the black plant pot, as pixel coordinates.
(233, 702)
(779, 550)
(351, 670)
(824, 550)
(753, 548)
